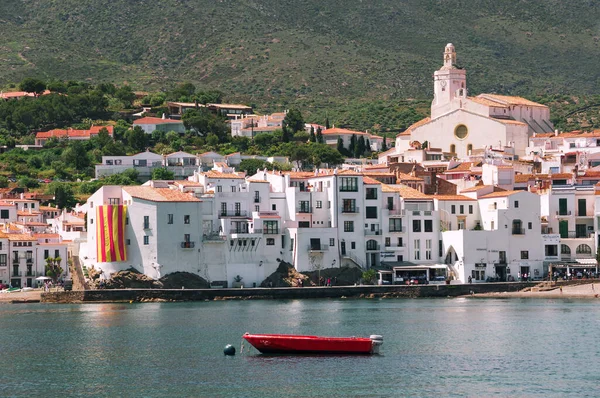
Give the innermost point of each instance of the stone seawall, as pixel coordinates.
(150, 295)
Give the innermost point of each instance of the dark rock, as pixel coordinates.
(187, 280)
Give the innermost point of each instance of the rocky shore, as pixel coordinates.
(581, 291)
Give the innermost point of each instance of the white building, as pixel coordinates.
(460, 124)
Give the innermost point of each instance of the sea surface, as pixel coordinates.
(440, 347)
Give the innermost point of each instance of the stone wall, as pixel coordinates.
(143, 295)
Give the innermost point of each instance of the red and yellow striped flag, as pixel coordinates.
(110, 233)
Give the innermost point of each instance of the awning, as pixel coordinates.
(587, 261)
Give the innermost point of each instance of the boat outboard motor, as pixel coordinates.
(377, 342)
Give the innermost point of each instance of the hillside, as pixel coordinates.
(310, 52)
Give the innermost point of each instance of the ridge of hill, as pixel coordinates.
(273, 52)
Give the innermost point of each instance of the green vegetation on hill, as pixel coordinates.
(272, 54)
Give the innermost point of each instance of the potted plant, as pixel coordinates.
(237, 282)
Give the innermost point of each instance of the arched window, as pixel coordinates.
(452, 148)
(583, 249)
(517, 227)
(469, 149)
(564, 249)
(371, 244)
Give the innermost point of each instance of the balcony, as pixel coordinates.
(318, 248)
(187, 245)
(16, 273)
(563, 213)
(233, 213)
(349, 209)
(213, 237)
(271, 231)
(146, 225)
(304, 209)
(29, 260)
(577, 235)
(375, 232)
(257, 199)
(518, 231)
(371, 196)
(31, 273)
(395, 212)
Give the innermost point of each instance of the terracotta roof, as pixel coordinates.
(508, 121)
(452, 198)
(49, 208)
(404, 191)
(370, 181)
(414, 126)
(218, 174)
(156, 120)
(46, 236)
(21, 237)
(561, 176)
(340, 131)
(19, 94)
(159, 194)
(466, 166)
(500, 194)
(27, 213)
(510, 100)
(488, 102)
(591, 173)
(259, 181)
(408, 177)
(187, 183)
(71, 133)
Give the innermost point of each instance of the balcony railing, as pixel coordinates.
(16, 273)
(395, 212)
(233, 213)
(577, 235)
(29, 260)
(318, 248)
(213, 237)
(271, 231)
(375, 232)
(518, 231)
(371, 196)
(187, 245)
(239, 231)
(257, 199)
(350, 209)
(563, 213)
(304, 209)
(373, 248)
(3, 264)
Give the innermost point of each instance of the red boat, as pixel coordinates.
(296, 344)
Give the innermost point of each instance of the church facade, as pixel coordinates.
(459, 124)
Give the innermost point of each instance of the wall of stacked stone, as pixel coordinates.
(143, 295)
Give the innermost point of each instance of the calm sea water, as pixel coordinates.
(454, 347)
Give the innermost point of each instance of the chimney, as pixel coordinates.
(555, 132)
(163, 116)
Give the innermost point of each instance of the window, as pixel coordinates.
(400, 243)
(371, 193)
(524, 255)
(4, 214)
(517, 227)
(319, 204)
(583, 249)
(416, 225)
(232, 189)
(304, 206)
(352, 245)
(219, 188)
(270, 227)
(270, 241)
(372, 245)
(111, 201)
(452, 148)
(453, 209)
(348, 226)
(395, 225)
(256, 197)
(46, 254)
(428, 225)
(128, 242)
(331, 241)
(146, 240)
(551, 250)
(273, 207)
(348, 184)
(428, 249)
(169, 218)
(516, 204)
(186, 219)
(461, 223)
(146, 222)
(238, 208)
(529, 225)
(388, 242)
(3, 260)
(186, 237)
(390, 203)
(462, 209)
(349, 206)
(417, 246)
(126, 221)
(371, 212)
(564, 249)
(470, 209)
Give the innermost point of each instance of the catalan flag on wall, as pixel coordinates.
(110, 233)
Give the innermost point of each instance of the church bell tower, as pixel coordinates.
(449, 85)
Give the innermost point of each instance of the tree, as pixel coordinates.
(162, 173)
(3, 182)
(312, 138)
(369, 276)
(31, 85)
(384, 145)
(352, 145)
(251, 166)
(126, 95)
(301, 155)
(76, 156)
(203, 122)
(64, 198)
(294, 121)
(53, 268)
(340, 145)
(286, 134)
(326, 123)
(359, 149)
(137, 139)
(367, 145)
(320, 138)
(322, 153)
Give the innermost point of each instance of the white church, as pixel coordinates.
(459, 124)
